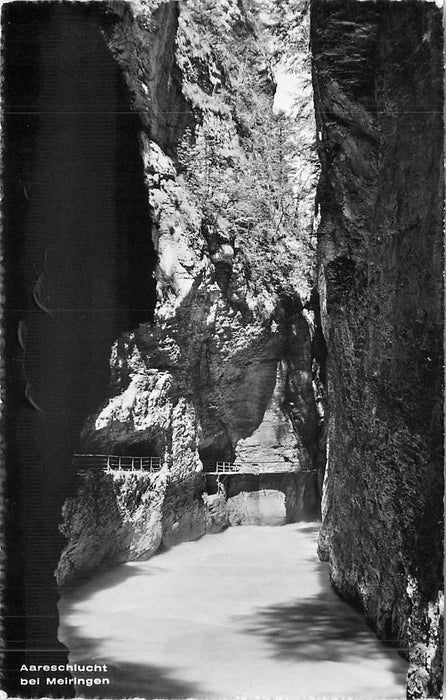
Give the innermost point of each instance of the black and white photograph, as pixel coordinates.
(222, 367)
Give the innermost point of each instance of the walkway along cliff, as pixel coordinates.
(241, 350)
(293, 239)
(225, 371)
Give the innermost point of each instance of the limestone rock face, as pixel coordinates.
(378, 96)
(112, 519)
(141, 36)
(229, 353)
(224, 371)
(124, 516)
(257, 508)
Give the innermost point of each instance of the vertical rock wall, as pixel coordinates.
(72, 208)
(224, 371)
(378, 75)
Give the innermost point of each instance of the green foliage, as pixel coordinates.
(248, 168)
(247, 197)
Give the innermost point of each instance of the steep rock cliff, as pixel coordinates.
(224, 371)
(73, 203)
(377, 72)
(112, 518)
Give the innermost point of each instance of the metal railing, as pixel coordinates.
(266, 467)
(126, 463)
(226, 467)
(95, 462)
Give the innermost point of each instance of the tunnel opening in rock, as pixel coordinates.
(140, 448)
(233, 371)
(212, 455)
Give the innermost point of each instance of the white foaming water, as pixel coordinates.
(246, 613)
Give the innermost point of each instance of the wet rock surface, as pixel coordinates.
(380, 131)
(112, 518)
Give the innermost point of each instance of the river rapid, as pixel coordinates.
(247, 613)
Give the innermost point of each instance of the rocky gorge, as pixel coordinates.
(265, 277)
(224, 370)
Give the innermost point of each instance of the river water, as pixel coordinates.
(247, 613)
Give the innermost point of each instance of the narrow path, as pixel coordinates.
(246, 613)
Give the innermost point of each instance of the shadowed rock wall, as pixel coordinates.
(378, 74)
(71, 243)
